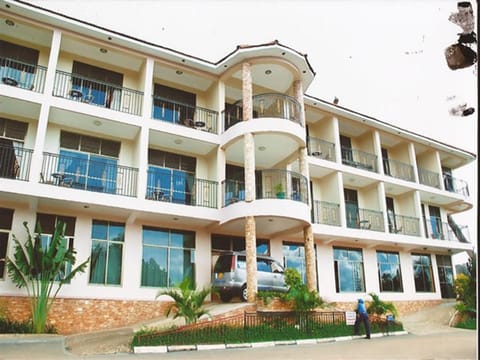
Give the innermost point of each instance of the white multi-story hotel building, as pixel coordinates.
(158, 161)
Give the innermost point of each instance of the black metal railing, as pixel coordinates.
(14, 160)
(89, 175)
(22, 75)
(265, 105)
(99, 93)
(365, 219)
(359, 159)
(275, 184)
(398, 170)
(282, 184)
(247, 327)
(438, 229)
(186, 115)
(326, 213)
(181, 189)
(405, 225)
(429, 178)
(233, 191)
(455, 185)
(321, 149)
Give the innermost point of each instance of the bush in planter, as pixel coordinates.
(280, 191)
(188, 302)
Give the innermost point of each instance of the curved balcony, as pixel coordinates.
(265, 106)
(274, 184)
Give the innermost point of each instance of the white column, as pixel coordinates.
(37, 156)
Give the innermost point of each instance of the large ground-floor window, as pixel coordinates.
(294, 257)
(47, 224)
(389, 273)
(423, 274)
(107, 248)
(445, 276)
(168, 257)
(348, 266)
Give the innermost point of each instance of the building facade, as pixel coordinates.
(158, 161)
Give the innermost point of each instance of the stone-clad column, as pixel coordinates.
(310, 258)
(303, 162)
(249, 166)
(251, 251)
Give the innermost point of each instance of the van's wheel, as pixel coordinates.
(243, 294)
(225, 297)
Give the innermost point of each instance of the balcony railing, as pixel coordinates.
(429, 178)
(89, 175)
(326, 213)
(359, 159)
(282, 184)
(274, 184)
(455, 185)
(23, 75)
(185, 115)
(233, 191)
(181, 188)
(99, 93)
(14, 160)
(321, 149)
(364, 219)
(265, 105)
(405, 225)
(398, 169)
(438, 229)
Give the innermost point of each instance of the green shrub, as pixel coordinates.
(8, 326)
(469, 323)
(188, 302)
(379, 307)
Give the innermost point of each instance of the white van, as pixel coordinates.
(230, 275)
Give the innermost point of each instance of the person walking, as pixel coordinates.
(362, 316)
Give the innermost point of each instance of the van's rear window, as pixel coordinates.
(223, 264)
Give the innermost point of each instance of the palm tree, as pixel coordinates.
(42, 270)
(379, 307)
(188, 302)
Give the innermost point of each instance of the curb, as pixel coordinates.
(200, 347)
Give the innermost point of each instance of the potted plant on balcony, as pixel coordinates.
(280, 191)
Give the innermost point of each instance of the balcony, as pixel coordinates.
(274, 184)
(98, 93)
(326, 213)
(265, 105)
(455, 185)
(450, 231)
(186, 115)
(22, 75)
(180, 188)
(429, 178)
(321, 149)
(398, 170)
(89, 173)
(364, 219)
(14, 160)
(405, 225)
(359, 159)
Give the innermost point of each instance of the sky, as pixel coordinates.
(384, 59)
